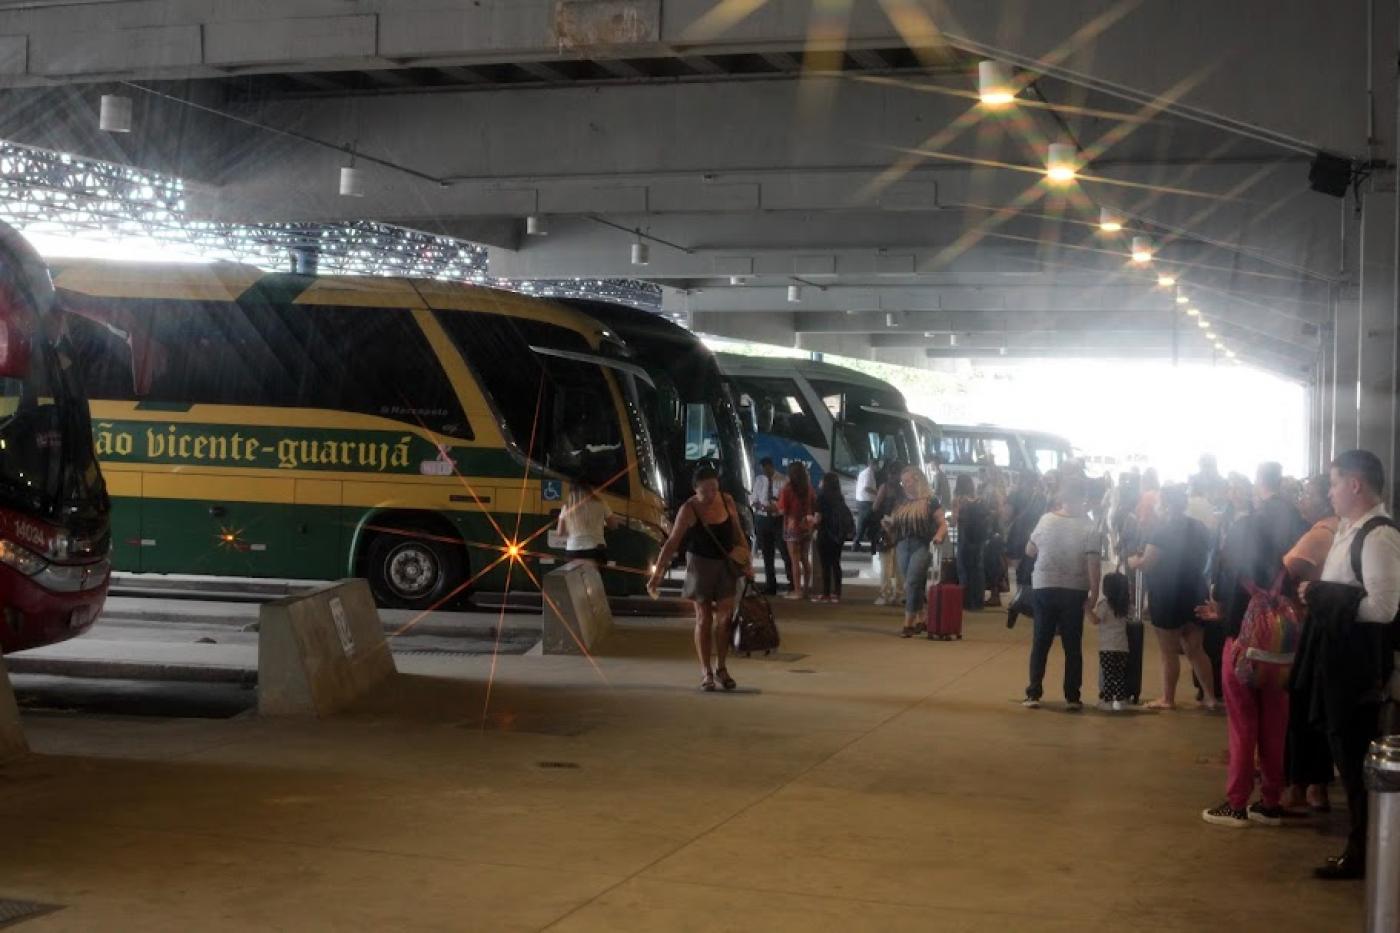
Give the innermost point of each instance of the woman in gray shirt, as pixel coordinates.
(1065, 546)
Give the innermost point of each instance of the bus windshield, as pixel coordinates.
(557, 412)
(865, 437)
(1046, 453)
(712, 432)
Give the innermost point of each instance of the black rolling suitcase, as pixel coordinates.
(1135, 636)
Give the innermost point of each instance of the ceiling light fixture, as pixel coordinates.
(994, 84)
(351, 183)
(114, 114)
(1193, 312)
(1062, 163)
(794, 293)
(1108, 221)
(1142, 249)
(1181, 298)
(641, 255)
(1165, 281)
(535, 226)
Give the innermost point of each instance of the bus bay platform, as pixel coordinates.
(855, 781)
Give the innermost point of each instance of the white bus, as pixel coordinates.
(831, 418)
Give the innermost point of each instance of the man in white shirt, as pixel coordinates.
(867, 485)
(768, 523)
(1357, 484)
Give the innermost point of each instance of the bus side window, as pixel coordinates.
(374, 361)
(101, 359)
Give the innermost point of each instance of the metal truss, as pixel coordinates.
(53, 192)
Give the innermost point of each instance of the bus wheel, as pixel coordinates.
(413, 569)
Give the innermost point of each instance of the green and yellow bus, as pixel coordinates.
(420, 434)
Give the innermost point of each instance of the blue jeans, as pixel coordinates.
(970, 572)
(863, 524)
(912, 558)
(1058, 612)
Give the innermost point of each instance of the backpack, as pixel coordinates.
(1359, 542)
(754, 627)
(845, 524)
(1269, 635)
(974, 522)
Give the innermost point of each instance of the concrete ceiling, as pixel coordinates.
(907, 214)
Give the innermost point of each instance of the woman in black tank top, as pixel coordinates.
(710, 541)
(707, 527)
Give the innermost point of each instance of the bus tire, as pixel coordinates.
(413, 567)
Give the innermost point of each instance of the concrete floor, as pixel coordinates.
(856, 782)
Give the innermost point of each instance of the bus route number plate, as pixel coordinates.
(342, 626)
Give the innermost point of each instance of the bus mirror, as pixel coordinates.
(14, 350)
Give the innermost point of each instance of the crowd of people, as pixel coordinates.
(1199, 562)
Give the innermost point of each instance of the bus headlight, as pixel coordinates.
(21, 559)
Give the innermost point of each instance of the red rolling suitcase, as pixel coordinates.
(945, 611)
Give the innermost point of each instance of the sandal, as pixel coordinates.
(907, 632)
(708, 684)
(725, 681)
(1159, 706)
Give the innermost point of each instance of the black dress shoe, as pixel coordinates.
(1011, 615)
(1341, 868)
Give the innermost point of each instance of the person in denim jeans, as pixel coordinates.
(915, 524)
(1065, 546)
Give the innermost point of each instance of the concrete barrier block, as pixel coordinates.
(320, 651)
(12, 742)
(576, 612)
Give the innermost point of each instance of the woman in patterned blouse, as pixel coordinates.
(915, 523)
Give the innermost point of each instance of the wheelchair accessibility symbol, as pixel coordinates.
(552, 490)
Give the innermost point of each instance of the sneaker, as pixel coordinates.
(1119, 706)
(1073, 706)
(881, 601)
(1268, 816)
(1031, 703)
(835, 600)
(1226, 815)
(818, 599)
(1104, 706)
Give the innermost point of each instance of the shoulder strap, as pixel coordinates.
(700, 520)
(1359, 542)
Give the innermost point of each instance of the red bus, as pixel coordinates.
(55, 538)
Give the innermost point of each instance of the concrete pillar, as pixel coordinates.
(1376, 335)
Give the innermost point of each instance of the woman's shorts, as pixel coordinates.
(599, 555)
(799, 536)
(708, 580)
